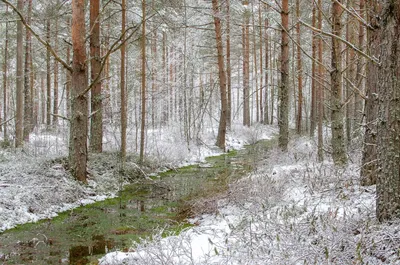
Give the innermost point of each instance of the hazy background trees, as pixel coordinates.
(193, 66)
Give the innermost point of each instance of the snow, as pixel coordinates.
(291, 210)
(35, 185)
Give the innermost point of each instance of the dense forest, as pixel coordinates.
(123, 76)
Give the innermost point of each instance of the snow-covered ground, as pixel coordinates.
(292, 210)
(34, 183)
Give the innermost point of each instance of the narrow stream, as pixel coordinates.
(83, 235)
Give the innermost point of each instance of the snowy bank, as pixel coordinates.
(34, 185)
(292, 210)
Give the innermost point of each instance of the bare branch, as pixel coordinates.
(350, 45)
(45, 43)
(4, 122)
(114, 47)
(60, 116)
(301, 48)
(355, 15)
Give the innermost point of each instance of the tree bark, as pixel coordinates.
(123, 89)
(19, 119)
(369, 157)
(320, 88)
(255, 63)
(350, 74)
(358, 102)
(79, 103)
(338, 149)
(48, 77)
(283, 120)
(96, 123)
(143, 76)
(246, 68)
(313, 107)
(5, 76)
(266, 40)
(299, 73)
(222, 77)
(260, 22)
(27, 84)
(228, 67)
(55, 81)
(68, 84)
(388, 127)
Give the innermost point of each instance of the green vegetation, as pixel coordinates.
(141, 209)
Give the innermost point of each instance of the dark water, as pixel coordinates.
(83, 235)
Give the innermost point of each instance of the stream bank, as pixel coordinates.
(82, 235)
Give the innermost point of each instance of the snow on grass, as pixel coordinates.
(35, 188)
(291, 210)
(34, 183)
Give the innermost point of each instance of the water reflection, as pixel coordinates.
(79, 255)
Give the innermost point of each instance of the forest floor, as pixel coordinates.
(35, 183)
(290, 210)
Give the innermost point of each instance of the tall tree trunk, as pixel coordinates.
(273, 63)
(266, 113)
(299, 73)
(320, 88)
(228, 67)
(369, 157)
(283, 120)
(338, 149)
(68, 84)
(358, 102)
(255, 63)
(43, 101)
(48, 77)
(33, 92)
(107, 90)
(143, 75)
(388, 127)
(123, 103)
(19, 119)
(5, 76)
(350, 74)
(313, 108)
(154, 87)
(165, 105)
(246, 68)
(79, 103)
(27, 84)
(55, 81)
(260, 22)
(96, 122)
(222, 77)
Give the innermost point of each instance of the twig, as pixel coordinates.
(60, 116)
(45, 43)
(372, 59)
(4, 122)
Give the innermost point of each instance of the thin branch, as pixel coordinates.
(301, 48)
(355, 15)
(45, 43)
(114, 47)
(60, 116)
(372, 59)
(4, 122)
(92, 114)
(353, 86)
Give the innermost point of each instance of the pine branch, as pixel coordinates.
(45, 43)
(350, 45)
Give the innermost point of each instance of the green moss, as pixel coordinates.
(138, 212)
